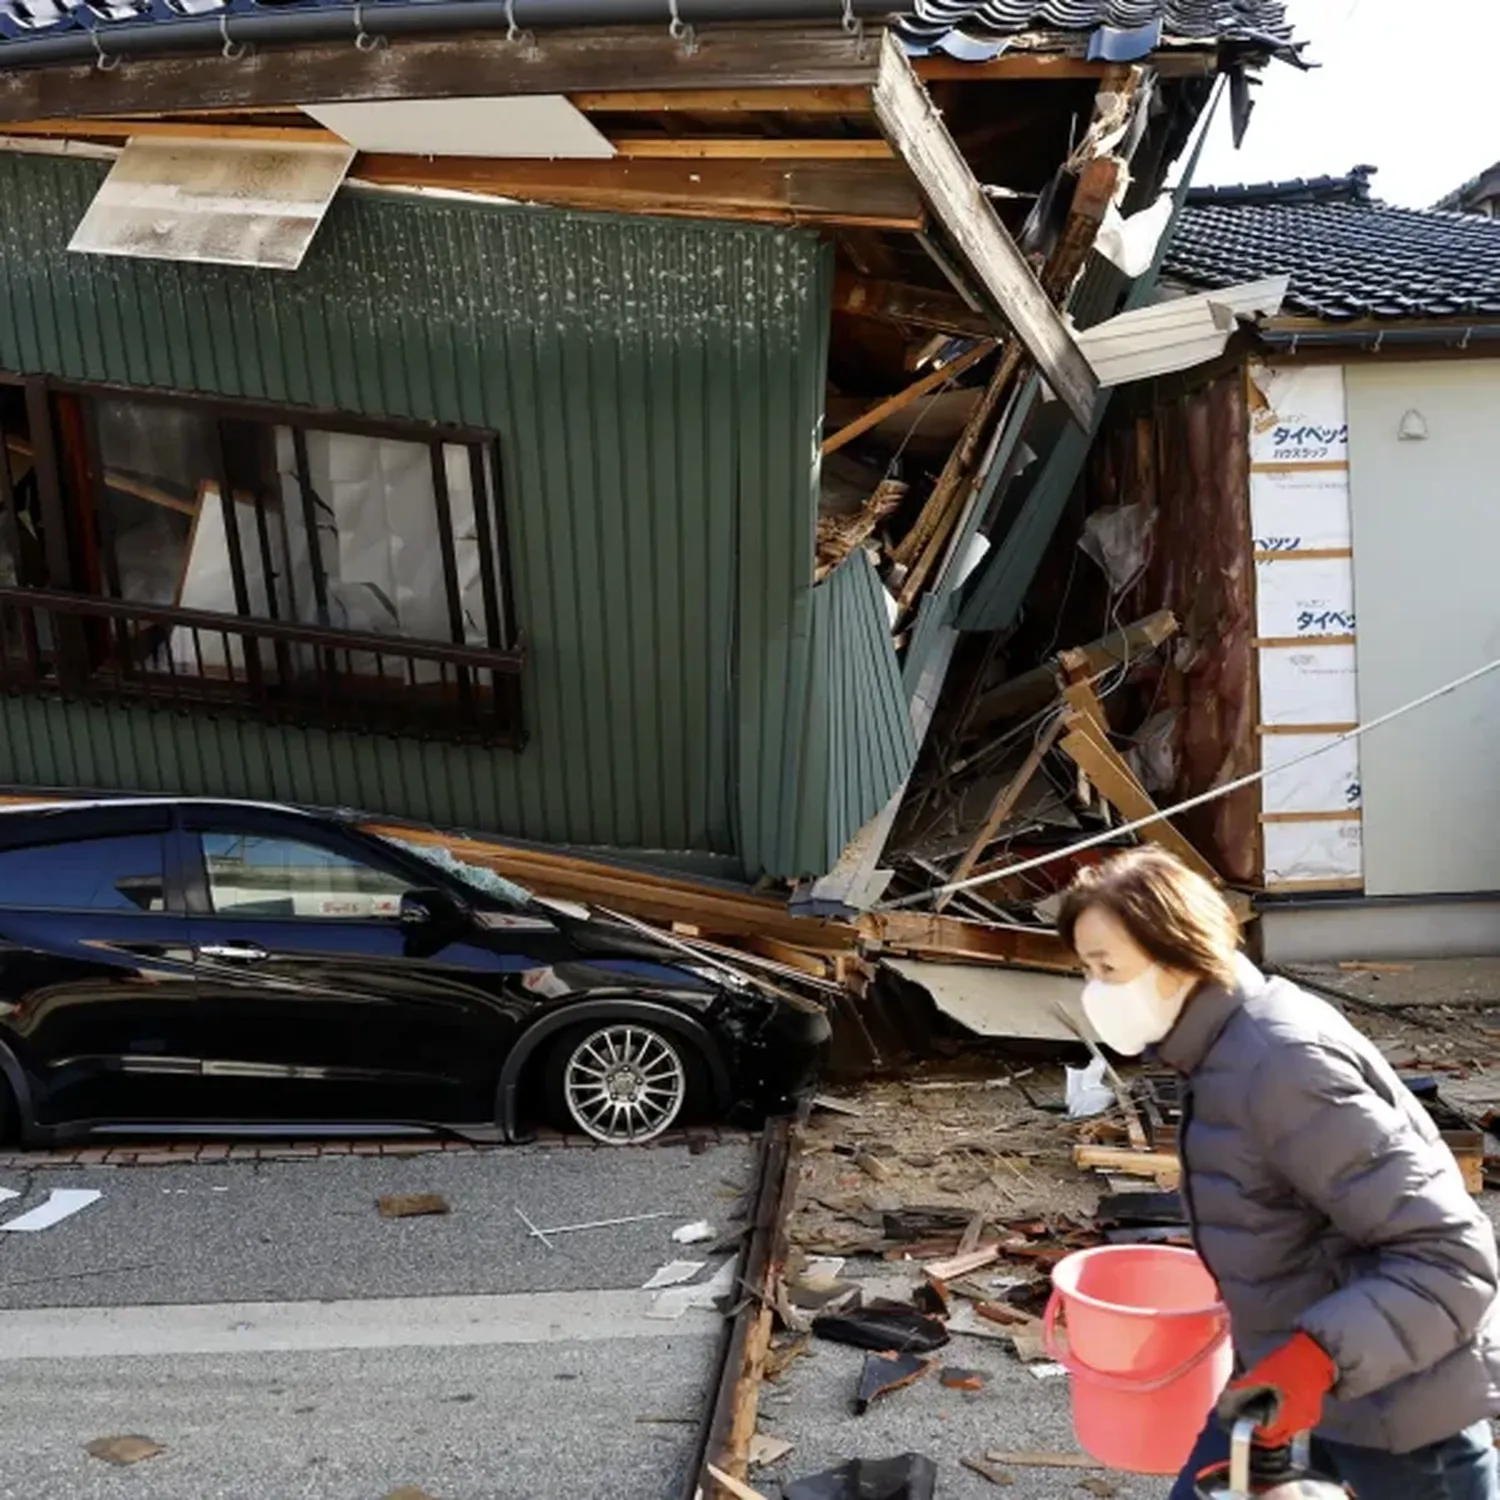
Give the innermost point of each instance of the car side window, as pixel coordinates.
(250, 875)
(122, 874)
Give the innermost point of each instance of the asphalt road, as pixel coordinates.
(282, 1340)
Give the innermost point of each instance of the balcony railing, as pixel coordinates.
(113, 650)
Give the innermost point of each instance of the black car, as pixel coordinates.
(186, 965)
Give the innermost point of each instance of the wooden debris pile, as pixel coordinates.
(920, 383)
(1034, 764)
(1144, 1143)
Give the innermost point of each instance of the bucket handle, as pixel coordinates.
(1052, 1340)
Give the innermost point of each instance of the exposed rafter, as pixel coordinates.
(915, 128)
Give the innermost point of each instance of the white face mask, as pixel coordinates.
(1131, 1017)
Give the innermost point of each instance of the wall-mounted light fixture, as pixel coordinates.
(1413, 428)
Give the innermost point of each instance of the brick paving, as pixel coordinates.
(157, 1154)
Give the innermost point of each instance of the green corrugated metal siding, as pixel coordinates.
(656, 387)
(858, 746)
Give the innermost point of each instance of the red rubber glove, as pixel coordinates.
(1295, 1378)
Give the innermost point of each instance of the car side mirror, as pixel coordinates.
(428, 910)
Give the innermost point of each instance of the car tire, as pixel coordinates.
(10, 1115)
(622, 1082)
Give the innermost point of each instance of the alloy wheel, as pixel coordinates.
(624, 1083)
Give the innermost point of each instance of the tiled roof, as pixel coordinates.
(1348, 256)
(1461, 199)
(1119, 28)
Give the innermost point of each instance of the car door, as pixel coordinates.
(96, 975)
(316, 1004)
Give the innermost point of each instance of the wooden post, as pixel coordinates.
(1002, 806)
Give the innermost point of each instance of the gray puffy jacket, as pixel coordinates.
(1323, 1199)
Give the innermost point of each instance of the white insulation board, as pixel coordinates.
(1302, 852)
(1304, 596)
(1294, 510)
(1327, 783)
(1311, 684)
(1298, 414)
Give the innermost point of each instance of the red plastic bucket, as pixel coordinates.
(1144, 1338)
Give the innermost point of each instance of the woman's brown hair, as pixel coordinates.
(1172, 912)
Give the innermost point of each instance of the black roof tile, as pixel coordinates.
(1348, 255)
(1182, 20)
(968, 28)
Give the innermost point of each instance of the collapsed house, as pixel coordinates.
(574, 434)
(1296, 534)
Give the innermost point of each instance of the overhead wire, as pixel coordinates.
(1214, 794)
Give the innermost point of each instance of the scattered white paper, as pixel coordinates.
(1047, 1372)
(965, 1321)
(674, 1302)
(674, 1273)
(694, 1234)
(1088, 1094)
(61, 1204)
(765, 1450)
(824, 1265)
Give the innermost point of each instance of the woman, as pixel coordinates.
(1359, 1275)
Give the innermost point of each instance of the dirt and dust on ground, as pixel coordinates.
(948, 1194)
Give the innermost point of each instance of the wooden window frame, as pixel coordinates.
(275, 667)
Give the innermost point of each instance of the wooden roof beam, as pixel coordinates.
(766, 101)
(310, 134)
(908, 306)
(644, 148)
(870, 194)
(913, 126)
(584, 61)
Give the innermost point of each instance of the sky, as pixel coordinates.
(1402, 86)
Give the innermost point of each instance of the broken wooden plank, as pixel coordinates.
(963, 1264)
(911, 122)
(1085, 744)
(1162, 1165)
(587, 59)
(924, 544)
(1035, 689)
(411, 1205)
(1003, 805)
(928, 935)
(1032, 1458)
(902, 399)
(735, 1487)
(971, 1235)
(986, 1470)
(1092, 195)
(644, 894)
(788, 956)
(871, 194)
(838, 536)
(913, 306)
